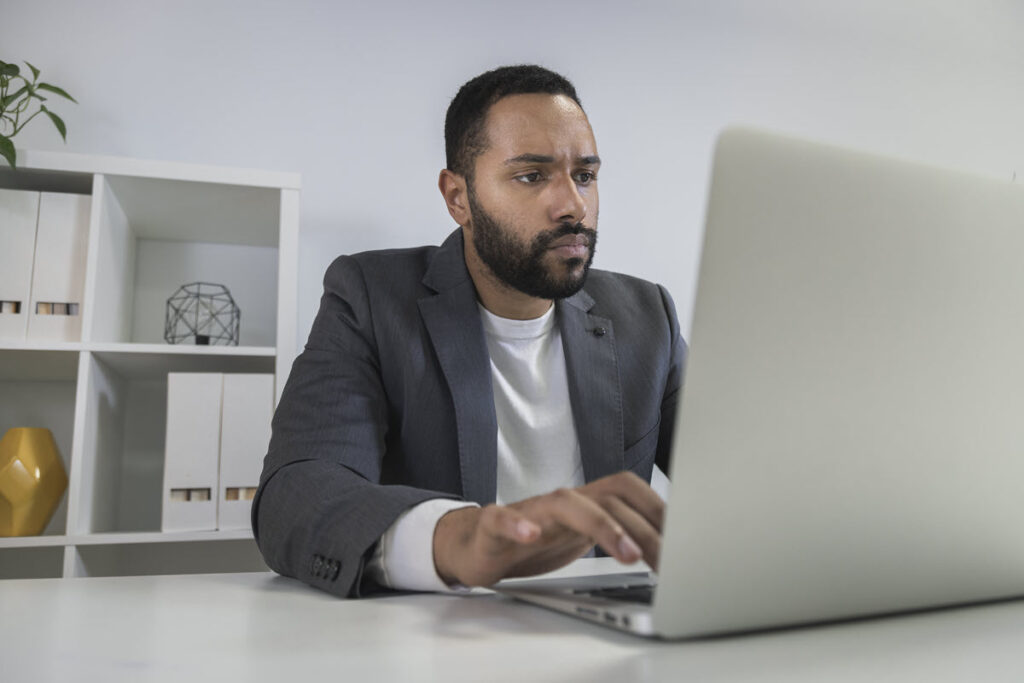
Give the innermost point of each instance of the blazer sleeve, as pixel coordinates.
(320, 507)
(673, 386)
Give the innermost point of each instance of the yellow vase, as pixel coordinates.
(32, 480)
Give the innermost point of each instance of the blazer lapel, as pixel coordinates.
(593, 372)
(456, 332)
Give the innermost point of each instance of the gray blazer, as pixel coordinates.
(390, 403)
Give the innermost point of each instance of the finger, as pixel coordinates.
(503, 522)
(582, 514)
(637, 526)
(635, 492)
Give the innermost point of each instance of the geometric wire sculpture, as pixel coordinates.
(204, 312)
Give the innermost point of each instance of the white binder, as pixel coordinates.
(18, 214)
(191, 456)
(58, 273)
(246, 412)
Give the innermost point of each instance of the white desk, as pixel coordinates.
(262, 627)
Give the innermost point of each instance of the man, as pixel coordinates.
(489, 407)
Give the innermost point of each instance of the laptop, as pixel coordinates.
(850, 438)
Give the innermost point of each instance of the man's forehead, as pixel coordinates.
(538, 123)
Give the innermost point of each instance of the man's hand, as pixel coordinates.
(480, 546)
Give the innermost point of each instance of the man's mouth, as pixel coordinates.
(571, 241)
(571, 246)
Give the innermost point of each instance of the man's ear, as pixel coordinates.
(453, 189)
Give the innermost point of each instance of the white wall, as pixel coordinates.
(352, 95)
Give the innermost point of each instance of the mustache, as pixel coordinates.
(548, 237)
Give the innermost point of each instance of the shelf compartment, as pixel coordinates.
(44, 180)
(151, 537)
(40, 364)
(152, 236)
(249, 273)
(40, 562)
(122, 457)
(37, 389)
(184, 557)
(122, 452)
(188, 211)
(154, 361)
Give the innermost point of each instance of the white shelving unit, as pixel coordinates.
(153, 227)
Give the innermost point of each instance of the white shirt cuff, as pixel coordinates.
(404, 558)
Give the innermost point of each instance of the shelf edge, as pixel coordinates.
(138, 537)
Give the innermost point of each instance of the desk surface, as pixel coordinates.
(262, 627)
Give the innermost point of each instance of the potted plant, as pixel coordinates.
(17, 97)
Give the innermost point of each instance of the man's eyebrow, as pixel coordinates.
(530, 159)
(590, 160)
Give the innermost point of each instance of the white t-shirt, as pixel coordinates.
(538, 450)
(537, 446)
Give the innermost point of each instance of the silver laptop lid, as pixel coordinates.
(851, 435)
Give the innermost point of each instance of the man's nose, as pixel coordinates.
(567, 204)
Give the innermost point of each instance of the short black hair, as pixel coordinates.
(464, 123)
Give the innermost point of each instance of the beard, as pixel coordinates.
(523, 266)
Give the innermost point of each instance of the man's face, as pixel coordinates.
(533, 198)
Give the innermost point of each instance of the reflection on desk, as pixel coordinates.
(263, 627)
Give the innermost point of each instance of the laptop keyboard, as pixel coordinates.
(643, 594)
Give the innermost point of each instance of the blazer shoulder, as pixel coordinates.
(615, 292)
(605, 278)
(386, 262)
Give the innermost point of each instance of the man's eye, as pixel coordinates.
(529, 177)
(586, 177)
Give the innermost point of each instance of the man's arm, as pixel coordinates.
(404, 557)
(320, 508)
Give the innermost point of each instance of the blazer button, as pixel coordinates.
(600, 331)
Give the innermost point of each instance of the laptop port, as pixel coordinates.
(588, 612)
(610, 618)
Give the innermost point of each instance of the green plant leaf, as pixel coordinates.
(55, 89)
(7, 150)
(11, 70)
(13, 97)
(61, 128)
(35, 72)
